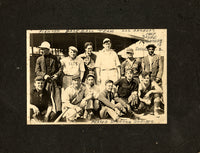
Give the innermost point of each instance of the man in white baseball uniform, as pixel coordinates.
(107, 64)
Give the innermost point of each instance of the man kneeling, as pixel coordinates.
(127, 90)
(73, 103)
(40, 103)
(149, 93)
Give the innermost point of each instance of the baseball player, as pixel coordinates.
(107, 64)
(71, 66)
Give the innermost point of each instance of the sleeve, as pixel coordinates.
(139, 65)
(139, 90)
(65, 96)
(117, 62)
(104, 100)
(118, 82)
(136, 86)
(96, 92)
(48, 98)
(82, 66)
(59, 67)
(123, 68)
(98, 61)
(160, 69)
(38, 70)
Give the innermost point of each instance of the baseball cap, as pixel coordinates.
(106, 40)
(91, 74)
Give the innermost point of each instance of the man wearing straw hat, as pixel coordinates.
(47, 66)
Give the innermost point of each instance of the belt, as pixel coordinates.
(67, 75)
(108, 69)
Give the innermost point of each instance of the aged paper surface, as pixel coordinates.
(121, 40)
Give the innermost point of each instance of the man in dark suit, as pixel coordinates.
(47, 66)
(152, 64)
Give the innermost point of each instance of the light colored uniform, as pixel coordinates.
(70, 68)
(92, 103)
(74, 97)
(107, 62)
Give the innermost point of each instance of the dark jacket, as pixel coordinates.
(157, 66)
(40, 68)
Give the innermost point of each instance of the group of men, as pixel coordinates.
(95, 85)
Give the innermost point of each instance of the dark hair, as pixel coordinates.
(144, 74)
(108, 81)
(151, 45)
(129, 70)
(38, 78)
(87, 44)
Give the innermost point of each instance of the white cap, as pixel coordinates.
(45, 44)
(106, 40)
(73, 48)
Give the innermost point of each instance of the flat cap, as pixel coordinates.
(73, 48)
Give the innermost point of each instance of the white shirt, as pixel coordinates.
(92, 90)
(150, 62)
(72, 66)
(107, 60)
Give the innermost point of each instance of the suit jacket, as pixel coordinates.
(40, 68)
(157, 66)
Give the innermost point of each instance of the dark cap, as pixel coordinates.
(75, 77)
(108, 81)
(39, 78)
(106, 40)
(91, 73)
(151, 45)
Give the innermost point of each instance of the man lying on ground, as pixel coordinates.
(40, 103)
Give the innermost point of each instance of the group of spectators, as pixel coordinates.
(95, 85)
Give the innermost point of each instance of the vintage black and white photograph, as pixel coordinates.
(96, 76)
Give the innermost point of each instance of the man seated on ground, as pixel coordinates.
(108, 105)
(149, 93)
(40, 103)
(73, 102)
(127, 90)
(91, 95)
